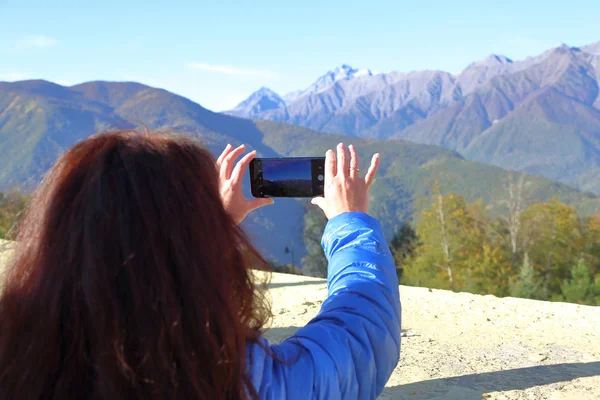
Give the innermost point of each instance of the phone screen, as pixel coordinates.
(287, 177)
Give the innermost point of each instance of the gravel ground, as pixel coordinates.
(465, 346)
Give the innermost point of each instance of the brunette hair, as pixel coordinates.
(129, 280)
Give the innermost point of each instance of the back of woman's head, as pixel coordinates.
(130, 280)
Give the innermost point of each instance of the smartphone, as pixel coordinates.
(287, 177)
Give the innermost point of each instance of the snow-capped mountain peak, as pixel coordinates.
(493, 60)
(343, 72)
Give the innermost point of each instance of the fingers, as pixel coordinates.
(354, 172)
(330, 166)
(224, 154)
(319, 201)
(240, 168)
(342, 164)
(227, 162)
(370, 176)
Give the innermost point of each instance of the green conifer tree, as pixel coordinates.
(581, 288)
(528, 284)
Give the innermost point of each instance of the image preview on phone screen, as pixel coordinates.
(287, 177)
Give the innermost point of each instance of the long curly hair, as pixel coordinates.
(130, 280)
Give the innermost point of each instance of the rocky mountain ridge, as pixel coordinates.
(39, 120)
(540, 115)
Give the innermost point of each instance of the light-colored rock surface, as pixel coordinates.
(5, 252)
(462, 346)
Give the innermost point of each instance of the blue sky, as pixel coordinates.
(218, 52)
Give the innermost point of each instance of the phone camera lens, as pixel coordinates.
(320, 178)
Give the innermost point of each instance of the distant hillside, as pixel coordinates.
(540, 115)
(260, 101)
(39, 120)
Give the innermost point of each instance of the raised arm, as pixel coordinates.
(348, 351)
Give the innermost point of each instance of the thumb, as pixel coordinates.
(259, 202)
(319, 201)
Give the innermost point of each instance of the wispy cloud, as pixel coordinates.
(13, 76)
(231, 70)
(34, 41)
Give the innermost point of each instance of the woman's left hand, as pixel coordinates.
(230, 183)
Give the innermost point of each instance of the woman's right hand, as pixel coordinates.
(230, 183)
(345, 190)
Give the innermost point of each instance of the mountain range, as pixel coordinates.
(39, 120)
(540, 115)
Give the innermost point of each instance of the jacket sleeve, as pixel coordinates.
(349, 350)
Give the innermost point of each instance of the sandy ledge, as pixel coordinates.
(463, 346)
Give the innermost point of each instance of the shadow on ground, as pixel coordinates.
(289, 284)
(277, 334)
(471, 387)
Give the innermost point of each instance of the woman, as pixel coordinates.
(131, 281)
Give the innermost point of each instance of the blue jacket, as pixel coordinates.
(349, 350)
